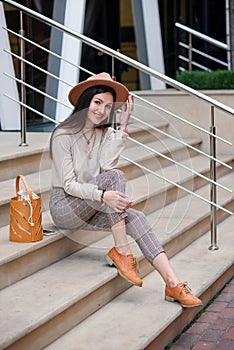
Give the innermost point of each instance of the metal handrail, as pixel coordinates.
(206, 38)
(179, 164)
(201, 53)
(131, 62)
(192, 63)
(37, 67)
(39, 92)
(47, 51)
(182, 119)
(181, 141)
(177, 185)
(149, 71)
(202, 36)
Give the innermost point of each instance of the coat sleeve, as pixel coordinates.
(113, 144)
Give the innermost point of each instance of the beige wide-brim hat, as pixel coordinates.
(100, 79)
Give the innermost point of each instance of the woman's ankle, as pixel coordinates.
(123, 250)
(171, 283)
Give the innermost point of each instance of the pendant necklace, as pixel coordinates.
(86, 138)
(90, 151)
(88, 142)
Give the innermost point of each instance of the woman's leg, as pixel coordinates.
(120, 238)
(163, 266)
(120, 255)
(114, 180)
(138, 227)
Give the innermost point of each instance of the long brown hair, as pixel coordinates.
(76, 121)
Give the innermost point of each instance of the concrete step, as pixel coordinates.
(15, 160)
(39, 182)
(19, 260)
(140, 318)
(150, 192)
(167, 147)
(52, 301)
(144, 134)
(177, 225)
(186, 219)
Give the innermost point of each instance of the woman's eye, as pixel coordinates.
(108, 107)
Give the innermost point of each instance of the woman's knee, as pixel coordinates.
(118, 174)
(136, 223)
(136, 215)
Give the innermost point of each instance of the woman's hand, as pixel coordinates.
(117, 200)
(125, 114)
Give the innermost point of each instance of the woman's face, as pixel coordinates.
(99, 109)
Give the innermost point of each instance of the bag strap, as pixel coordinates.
(25, 184)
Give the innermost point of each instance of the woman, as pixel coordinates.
(88, 190)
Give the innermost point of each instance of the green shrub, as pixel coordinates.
(203, 80)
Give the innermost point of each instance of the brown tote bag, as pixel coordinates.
(25, 215)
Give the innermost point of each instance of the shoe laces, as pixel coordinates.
(132, 262)
(185, 288)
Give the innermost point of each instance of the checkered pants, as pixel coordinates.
(70, 212)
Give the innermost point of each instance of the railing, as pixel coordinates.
(190, 49)
(143, 68)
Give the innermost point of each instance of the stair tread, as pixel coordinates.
(136, 126)
(167, 221)
(37, 141)
(149, 183)
(180, 216)
(10, 251)
(166, 145)
(140, 315)
(37, 182)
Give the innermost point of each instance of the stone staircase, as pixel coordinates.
(60, 294)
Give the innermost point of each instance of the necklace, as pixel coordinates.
(86, 138)
(90, 151)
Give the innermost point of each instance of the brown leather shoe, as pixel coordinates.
(126, 266)
(182, 294)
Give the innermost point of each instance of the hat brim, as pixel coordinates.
(120, 90)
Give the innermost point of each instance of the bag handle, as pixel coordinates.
(25, 184)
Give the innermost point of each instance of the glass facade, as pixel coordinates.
(205, 16)
(39, 33)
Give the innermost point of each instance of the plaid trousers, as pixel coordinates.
(70, 212)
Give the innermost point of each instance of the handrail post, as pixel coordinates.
(22, 88)
(113, 68)
(190, 52)
(213, 193)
